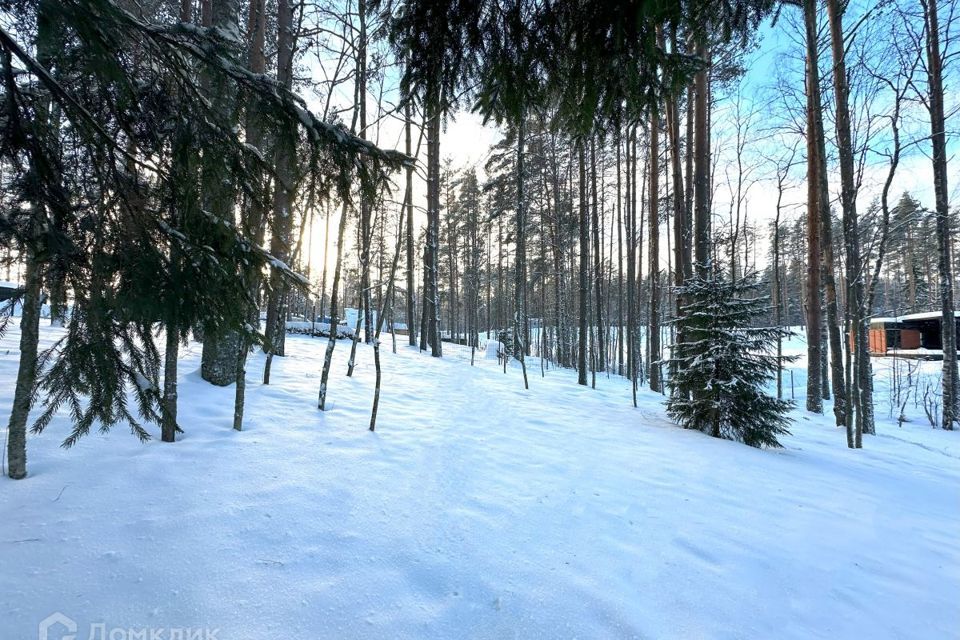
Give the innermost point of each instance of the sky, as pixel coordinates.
(466, 140)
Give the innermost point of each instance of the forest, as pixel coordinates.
(268, 216)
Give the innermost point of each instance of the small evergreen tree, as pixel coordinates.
(723, 364)
(505, 337)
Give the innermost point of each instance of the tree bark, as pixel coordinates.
(520, 283)
(631, 240)
(701, 158)
(26, 373)
(860, 395)
(334, 311)
(653, 332)
(584, 268)
(432, 284)
(814, 346)
(383, 313)
(168, 423)
(280, 241)
(597, 261)
(255, 215)
(951, 379)
(219, 357)
(408, 205)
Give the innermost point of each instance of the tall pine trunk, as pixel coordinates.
(366, 209)
(653, 330)
(701, 162)
(432, 283)
(256, 214)
(584, 268)
(859, 385)
(620, 319)
(682, 224)
(814, 345)
(951, 381)
(283, 191)
(631, 239)
(520, 283)
(408, 205)
(597, 260)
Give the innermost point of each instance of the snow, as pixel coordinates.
(926, 315)
(493, 349)
(477, 510)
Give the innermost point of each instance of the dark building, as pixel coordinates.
(917, 335)
(8, 290)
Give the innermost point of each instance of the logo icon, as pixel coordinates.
(47, 631)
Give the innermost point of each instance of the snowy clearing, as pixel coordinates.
(477, 510)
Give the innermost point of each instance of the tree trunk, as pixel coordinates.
(597, 261)
(408, 205)
(334, 311)
(701, 157)
(653, 336)
(814, 346)
(520, 283)
(185, 171)
(620, 319)
(366, 232)
(387, 300)
(432, 284)
(361, 314)
(631, 239)
(280, 241)
(584, 268)
(168, 424)
(219, 357)
(832, 300)
(26, 373)
(851, 231)
(951, 381)
(255, 215)
(682, 224)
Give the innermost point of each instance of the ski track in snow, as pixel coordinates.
(477, 510)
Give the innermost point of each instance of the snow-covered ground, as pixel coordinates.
(477, 510)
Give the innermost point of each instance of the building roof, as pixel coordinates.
(926, 315)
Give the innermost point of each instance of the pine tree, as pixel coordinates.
(730, 361)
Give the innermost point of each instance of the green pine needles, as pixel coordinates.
(723, 364)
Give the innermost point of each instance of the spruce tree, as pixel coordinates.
(729, 360)
(136, 239)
